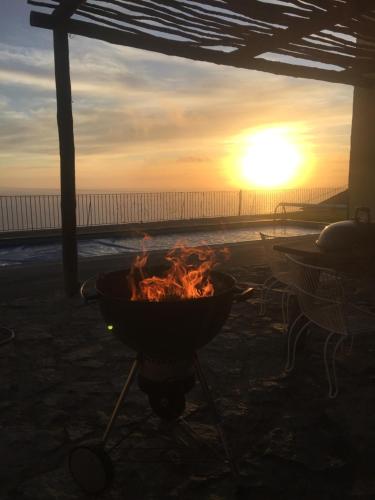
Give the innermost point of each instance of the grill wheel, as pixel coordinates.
(91, 467)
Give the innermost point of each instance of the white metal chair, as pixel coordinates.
(280, 279)
(323, 302)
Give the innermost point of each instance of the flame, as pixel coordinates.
(188, 275)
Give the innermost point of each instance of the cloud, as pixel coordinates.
(145, 115)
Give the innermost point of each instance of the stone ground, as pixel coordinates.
(62, 374)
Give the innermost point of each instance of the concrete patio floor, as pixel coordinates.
(62, 374)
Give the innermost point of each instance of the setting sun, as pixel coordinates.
(271, 158)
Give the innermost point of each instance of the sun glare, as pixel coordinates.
(271, 158)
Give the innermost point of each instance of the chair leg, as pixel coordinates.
(350, 348)
(308, 334)
(331, 371)
(293, 357)
(288, 367)
(267, 286)
(262, 296)
(285, 306)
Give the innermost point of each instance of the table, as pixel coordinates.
(356, 261)
(357, 264)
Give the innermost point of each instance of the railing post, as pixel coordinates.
(240, 203)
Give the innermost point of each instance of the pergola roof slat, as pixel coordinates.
(168, 15)
(168, 28)
(318, 21)
(234, 32)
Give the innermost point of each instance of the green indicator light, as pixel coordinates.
(109, 328)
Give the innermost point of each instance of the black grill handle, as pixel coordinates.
(88, 295)
(241, 295)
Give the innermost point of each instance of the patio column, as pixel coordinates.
(362, 154)
(67, 161)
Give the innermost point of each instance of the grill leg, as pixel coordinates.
(124, 392)
(215, 414)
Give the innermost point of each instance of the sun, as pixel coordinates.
(271, 158)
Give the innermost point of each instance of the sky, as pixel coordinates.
(148, 122)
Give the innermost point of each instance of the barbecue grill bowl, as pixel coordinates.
(339, 235)
(346, 235)
(164, 330)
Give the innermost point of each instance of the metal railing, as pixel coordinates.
(38, 212)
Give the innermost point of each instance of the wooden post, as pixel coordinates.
(67, 160)
(362, 153)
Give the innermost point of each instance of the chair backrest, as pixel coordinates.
(277, 261)
(320, 295)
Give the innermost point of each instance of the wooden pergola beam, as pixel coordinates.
(194, 52)
(67, 161)
(65, 10)
(59, 17)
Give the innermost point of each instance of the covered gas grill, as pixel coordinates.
(165, 337)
